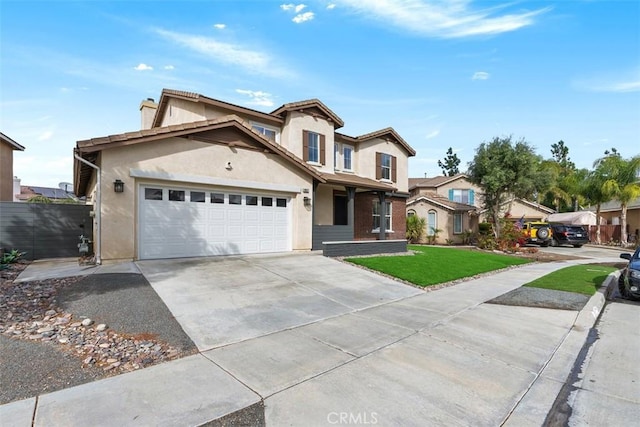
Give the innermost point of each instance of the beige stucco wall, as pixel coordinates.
(291, 137)
(182, 111)
(462, 184)
(324, 205)
(366, 160)
(444, 221)
(6, 172)
(180, 156)
(517, 210)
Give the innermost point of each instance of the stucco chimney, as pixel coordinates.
(148, 109)
(16, 188)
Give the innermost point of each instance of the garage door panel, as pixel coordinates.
(211, 226)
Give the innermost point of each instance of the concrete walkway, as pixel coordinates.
(363, 349)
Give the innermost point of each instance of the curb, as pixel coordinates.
(540, 398)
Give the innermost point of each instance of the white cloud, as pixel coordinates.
(219, 26)
(169, 67)
(297, 8)
(45, 135)
(444, 18)
(260, 98)
(433, 134)
(253, 61)
(480, 75)
(303, 17)
(620, 81)
(143, 67)
(331, 6)
(620, 87)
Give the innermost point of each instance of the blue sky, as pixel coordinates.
(442, 73)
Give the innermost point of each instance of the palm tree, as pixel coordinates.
(622, 183)
(593, 191)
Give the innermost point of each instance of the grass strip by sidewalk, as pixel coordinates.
(433, 265)
(583, 279)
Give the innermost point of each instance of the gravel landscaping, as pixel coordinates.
(63, 332)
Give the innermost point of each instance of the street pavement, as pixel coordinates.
(325, 343)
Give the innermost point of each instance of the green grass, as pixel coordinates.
(433, 265)
(582, 279)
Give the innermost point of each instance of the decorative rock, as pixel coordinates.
(63, 340)
(101, 327)
(86, 322)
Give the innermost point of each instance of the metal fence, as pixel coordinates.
(44, 230)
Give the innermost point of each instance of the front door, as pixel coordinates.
(340, 210)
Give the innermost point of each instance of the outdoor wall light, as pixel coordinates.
(307, 201)
(228, 167)
(118, 186)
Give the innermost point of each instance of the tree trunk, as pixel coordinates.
(623, 225)
(598, 224)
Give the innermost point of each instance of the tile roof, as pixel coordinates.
(435, 181)
(356, 181)
(14, 145)
(435, 198)
(388, 131)
(310, 103)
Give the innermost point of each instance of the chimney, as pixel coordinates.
(148, 109)
(16, 188)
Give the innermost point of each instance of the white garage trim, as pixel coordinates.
(207, 180)
(177, 221)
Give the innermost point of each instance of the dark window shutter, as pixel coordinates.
(305, 145)
(394, 167)
(378, 165)
(322, 150)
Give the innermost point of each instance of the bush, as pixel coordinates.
(415, 228)
(485, 228)
(10, 258)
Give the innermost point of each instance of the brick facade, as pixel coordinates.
(363, 223)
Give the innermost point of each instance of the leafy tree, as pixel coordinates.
(503, 169)
(450, 165)
(621, 183)
(560, 154)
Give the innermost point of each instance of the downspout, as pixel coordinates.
(96, 208)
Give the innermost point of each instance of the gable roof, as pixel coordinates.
(357, 181)
(167, 94)
(435, 181)
(89, 148)
(534, 205)
(441, 201)
(388, 134)
(14, 145)
(310, 104)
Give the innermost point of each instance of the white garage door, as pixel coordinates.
(179, 222)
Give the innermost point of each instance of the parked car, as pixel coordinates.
(574, 235)
(537, 232)
(629, 281)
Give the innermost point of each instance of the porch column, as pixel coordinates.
(351, 203)
(383, 215)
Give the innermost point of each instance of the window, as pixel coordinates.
(176, 195)
(197, 196)
(461, 196)
(347, 155)
(217, 198)
(252, 200)
(153, 193)
(457, 223)
(313, 147)
(269, 132)
(376, 216)
(336, 153)
(235, 199)
(386, 167)
(432, 222)
(267, 201)
(281, 203)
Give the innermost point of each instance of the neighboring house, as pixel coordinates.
(7, 147)
(205, 177)
(520, 209)
(611, 212)
(53, 194)
(448, 203)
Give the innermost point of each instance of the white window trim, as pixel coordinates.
(337, 155)
(389, 214)
(314, 162)
(350, 147)
(262, 125)
(383, 167)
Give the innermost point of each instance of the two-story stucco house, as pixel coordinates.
(205, 177)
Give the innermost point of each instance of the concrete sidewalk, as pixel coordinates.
(435, 358)
(68, 267)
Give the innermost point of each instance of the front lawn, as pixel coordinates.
(582, 279)
(432, 265)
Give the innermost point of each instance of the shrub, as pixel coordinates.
(39, 199)
(485, 228)
(10, 258)
(415, 228)
(432, 239)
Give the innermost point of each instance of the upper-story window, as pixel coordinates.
(347, 157)
(313, 147)
(336, 155)
(269, 132)
(386, 166)
(462, 196)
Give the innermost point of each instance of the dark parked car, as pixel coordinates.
(629, 281)
(574, 235)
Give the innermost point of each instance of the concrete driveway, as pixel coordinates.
(324, 343)
(224, 300)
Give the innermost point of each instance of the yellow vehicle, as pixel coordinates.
(538, 233)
